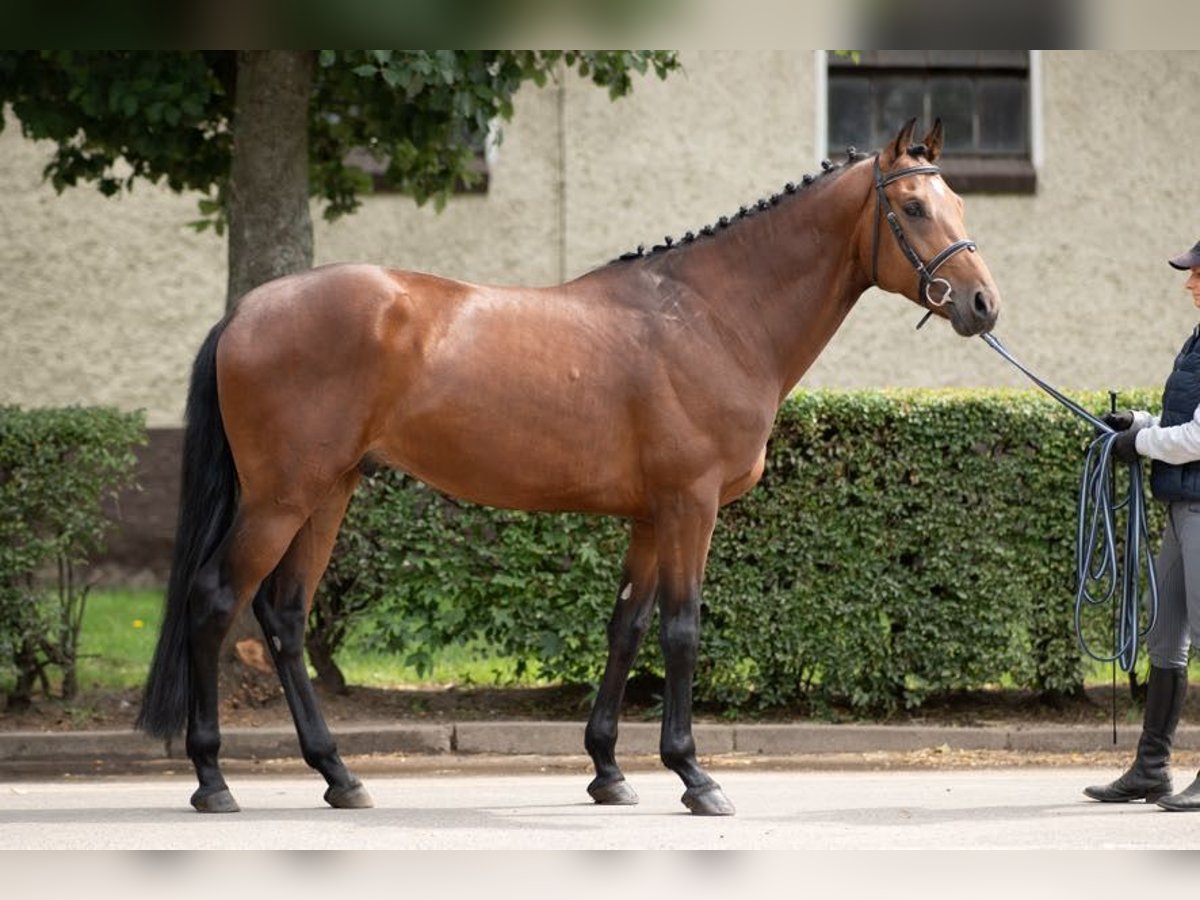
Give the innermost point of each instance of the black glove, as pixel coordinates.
(1122, 420)
(1124, 445)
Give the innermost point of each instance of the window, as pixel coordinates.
(981, 96)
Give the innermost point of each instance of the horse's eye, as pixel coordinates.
(914, 209)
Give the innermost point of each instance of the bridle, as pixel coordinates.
(926, 271)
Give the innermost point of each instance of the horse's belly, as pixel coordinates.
(520, 461)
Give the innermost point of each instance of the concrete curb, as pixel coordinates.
(566, 738)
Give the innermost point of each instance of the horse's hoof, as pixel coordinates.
(351, 796)
(219, 801)
(614, 793)
(708, 800)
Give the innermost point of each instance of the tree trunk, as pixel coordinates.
(270, 230)
(320, 654)
(20, 696)
(270, 234)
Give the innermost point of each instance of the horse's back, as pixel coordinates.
(509, 396)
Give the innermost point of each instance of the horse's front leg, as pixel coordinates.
(684, 532)
(630, 620)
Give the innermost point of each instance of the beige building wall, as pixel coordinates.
(106, 300)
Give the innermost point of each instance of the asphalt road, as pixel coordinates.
(996, 809)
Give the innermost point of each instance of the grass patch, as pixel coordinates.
(464, 665)
(1098, 674)
(120, 628)
(116, 643)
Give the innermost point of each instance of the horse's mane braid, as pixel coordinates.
(745, 212)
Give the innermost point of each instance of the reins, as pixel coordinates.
(1096, 558)
(926, 271)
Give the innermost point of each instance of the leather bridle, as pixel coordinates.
(926, 271)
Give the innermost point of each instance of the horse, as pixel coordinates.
(645, 389)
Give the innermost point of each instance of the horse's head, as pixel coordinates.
(916, 238)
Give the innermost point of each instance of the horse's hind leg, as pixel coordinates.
(281, 607)
(222, 588)
(630, 619)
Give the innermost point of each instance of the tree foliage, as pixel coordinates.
(118, 117)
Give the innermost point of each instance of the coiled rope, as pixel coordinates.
(1102, 574)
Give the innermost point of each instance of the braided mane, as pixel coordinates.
(827, 168)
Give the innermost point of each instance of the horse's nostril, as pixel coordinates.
(982, 306)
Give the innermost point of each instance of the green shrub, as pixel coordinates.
(420, 571)
(900, 544)
(56, 468)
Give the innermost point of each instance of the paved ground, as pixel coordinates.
(558, 738)
(506, 785)
(994, 809)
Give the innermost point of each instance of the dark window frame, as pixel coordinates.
(975, 170)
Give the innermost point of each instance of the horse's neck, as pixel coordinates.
(785, 280)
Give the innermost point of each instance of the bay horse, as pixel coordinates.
(644, 389)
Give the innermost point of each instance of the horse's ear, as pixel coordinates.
(900, 145)
(933, 140)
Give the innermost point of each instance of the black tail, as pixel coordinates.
(207, 503)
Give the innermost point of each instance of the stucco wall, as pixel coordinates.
(1089, 300)
(105, 301)
(101, 301)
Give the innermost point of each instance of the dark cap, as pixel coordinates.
(1188, 260)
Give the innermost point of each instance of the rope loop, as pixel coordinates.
(1102, 573)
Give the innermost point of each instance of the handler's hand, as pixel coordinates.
(1125, 445)
(1121, 420)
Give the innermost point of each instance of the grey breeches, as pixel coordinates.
(1177, 569)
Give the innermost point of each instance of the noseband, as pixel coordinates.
(925, 271)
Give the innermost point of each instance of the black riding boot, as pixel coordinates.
(1187, 800)
(1149, 778)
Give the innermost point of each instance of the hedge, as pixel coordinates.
(57, 466)
(900, 544)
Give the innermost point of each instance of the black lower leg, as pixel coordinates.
(279, 608)
(680, 639)
(628, 625)
(679, 635)
(626, 629)
(212, 605)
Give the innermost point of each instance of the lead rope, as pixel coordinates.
(1112, 499)
(1096, 557)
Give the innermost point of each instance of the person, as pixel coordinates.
(1172, 442)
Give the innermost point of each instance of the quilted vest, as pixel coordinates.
(1181, 396)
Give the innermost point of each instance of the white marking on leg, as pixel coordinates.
(277, 642)
(627, 592)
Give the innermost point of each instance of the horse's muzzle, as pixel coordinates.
(975, 312)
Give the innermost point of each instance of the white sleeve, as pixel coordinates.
(1174, 444)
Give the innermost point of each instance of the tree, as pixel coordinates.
(260, 132)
